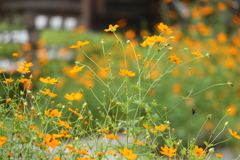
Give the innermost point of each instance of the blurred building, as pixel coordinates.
(36, 15)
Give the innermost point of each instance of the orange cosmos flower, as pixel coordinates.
(75, 112)
(2, 140)
(48, 93)
(80, 44)
(2, 70)
(170, 152)
(9, 100)
(197, 53)
(25, 80)
(23, 70)
(51, 141)
(104, 130)
(234, 134)
(53, 113)
(15, 54)
(76, 69)
(219, 155)
(175, 59)
(64, 124)
(48, 80)
(150, 40)
(164, 28)
(1, 126)
(73, 96)
(20, 117)
(8, 80)
(112, 136)
(112, 152)
(146, 126)
(57, 158)
(25, 64)
(65, 134)
(128, 153)
(161, 127)
(83, 151)
(137, 142)
(111, 28)
(125, 72)
(199, 152)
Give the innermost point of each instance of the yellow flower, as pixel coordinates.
(2, 140)
(128, 153)
(199, 152)
(125, 72)
(2, 70)
(170, 152)
(65, 134)
(197, 53)
(57, 158)
(73, 96)
(112, 136)
(1, 126)
(219, 155)
(150, 40)
(164, 28)
(48, 80)
(83, 151)
(104, 130)
(76, 69)
(137, 142)
(64, 124)
(80, 44)
(9, 100)
(75, 112)
(51, 141)
(48, 93)
(111, 28)
(234, 134)
(25, 64)
(25, 80)
(85, 158)
(53, 113)
(161, 127)
(20, 117)
(23, 70)
(8, 80)
(15, 54)
(175, 59)
(112, 152)
(146, 126)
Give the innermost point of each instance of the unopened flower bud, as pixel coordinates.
(211, 150)
(209, 116)
(226, 124)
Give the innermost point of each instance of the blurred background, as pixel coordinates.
(41, 31)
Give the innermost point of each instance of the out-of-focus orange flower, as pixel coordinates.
(65, 134)
(80, 44)
(230, 63)
(111, 28)
(2, 70)
(64, 124)
(25, 80)
(146, 126)
(9, 80)
(206, 10)
(130, 34)
(15, 54)
(20, 117)
(236, 19)
(197, 53)
(48, 80)
(48, 93)
(175, 59)
(167, 1)
(222, 37)
(218, 155)
(86, 158)
(128, 153)
(73, 96)
(122, 22)
(25, 64)
(176, 88)
(112, 152)
(124, 72)
(51, 141)
(231, 109)
(138, 142)
(209, 126)
(234, 134)
(112, 136)
(161, 127)
(2, 140)
(23, 70)
(27, 46)
(221, 6)
(76, 69)
(9, 100)
(83, 151)
(1, 126)
(104, 130)
(164, 28)
(53, 113)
